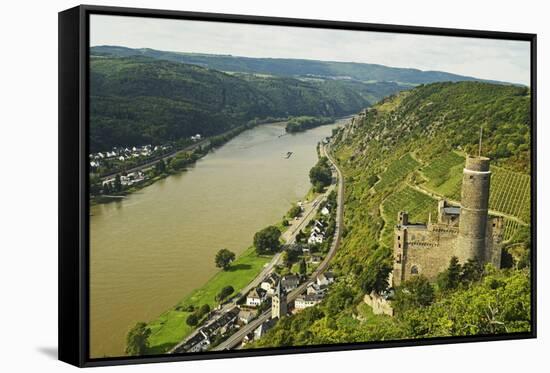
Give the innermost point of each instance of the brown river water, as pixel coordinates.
(153, 248)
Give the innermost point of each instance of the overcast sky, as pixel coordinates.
(482, 58)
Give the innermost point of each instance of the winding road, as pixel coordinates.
(235, 339)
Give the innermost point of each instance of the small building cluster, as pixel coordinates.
(273, 289)
(317, 234)
(128, 179)
(315, 292)
(204, 336)
(123, 154)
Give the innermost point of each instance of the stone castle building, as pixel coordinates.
(465, 231)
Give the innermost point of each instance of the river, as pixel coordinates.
(151, 249)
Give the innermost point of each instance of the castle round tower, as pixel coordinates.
(471, 241)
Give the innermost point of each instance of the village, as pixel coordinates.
(106, 163)
(271, 294)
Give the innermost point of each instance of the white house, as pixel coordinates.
(306, 301)
(197, 137)
(269, 283)
(325, 211)
(315, 238)
(253, 299)
(326, 278)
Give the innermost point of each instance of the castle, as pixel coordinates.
(465, 231)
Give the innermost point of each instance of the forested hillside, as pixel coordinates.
(403, 154)
(290, 67)
(140, 100)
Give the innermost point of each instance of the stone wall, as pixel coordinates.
(379, 305)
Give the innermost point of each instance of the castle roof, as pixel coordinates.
(451, 210)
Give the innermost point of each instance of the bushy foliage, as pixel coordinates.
(320, 175)
(267, 240)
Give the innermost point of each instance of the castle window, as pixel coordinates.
(399, 246)
(471, 177)
(398, 238)
(398, 259)
(494, 225)
(414, 270)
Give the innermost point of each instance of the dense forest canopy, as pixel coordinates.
(140, 100)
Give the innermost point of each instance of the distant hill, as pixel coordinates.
(140, 100)
(363, 72)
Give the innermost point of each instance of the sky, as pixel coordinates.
(492, 59)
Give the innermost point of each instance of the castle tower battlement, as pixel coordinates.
(474, 209)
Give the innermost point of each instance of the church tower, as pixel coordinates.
(278, 303)
(474, 209)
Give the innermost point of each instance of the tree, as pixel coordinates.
(224, 293)
(301, 236)
(118, 184)
(204, 310)
(450, 278)
(267, 240)
(414, 293)
(192, 320)
(320, 175)
(294, 211)
(379, 267)
(224, 258)
(472, 271)
(285, 259)
(303, 267)
(136, 339)
(160, 166)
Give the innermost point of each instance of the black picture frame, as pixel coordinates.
(73, 253)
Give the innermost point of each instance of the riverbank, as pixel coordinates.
(172, 164)
(155, 247)
(170, 328)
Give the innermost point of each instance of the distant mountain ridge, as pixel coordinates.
(293, 67)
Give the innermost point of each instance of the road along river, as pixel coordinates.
(151, 249)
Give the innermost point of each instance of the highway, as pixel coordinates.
(235, 339)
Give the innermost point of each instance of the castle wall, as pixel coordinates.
(425, 251)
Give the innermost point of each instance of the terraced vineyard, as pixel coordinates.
(510, 228)
(396, 171)
(417, 204)
(510, 193)
(444, 175)
(438, 170)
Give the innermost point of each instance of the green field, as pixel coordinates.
(396, 171)
(170, 327)
(417, 204)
